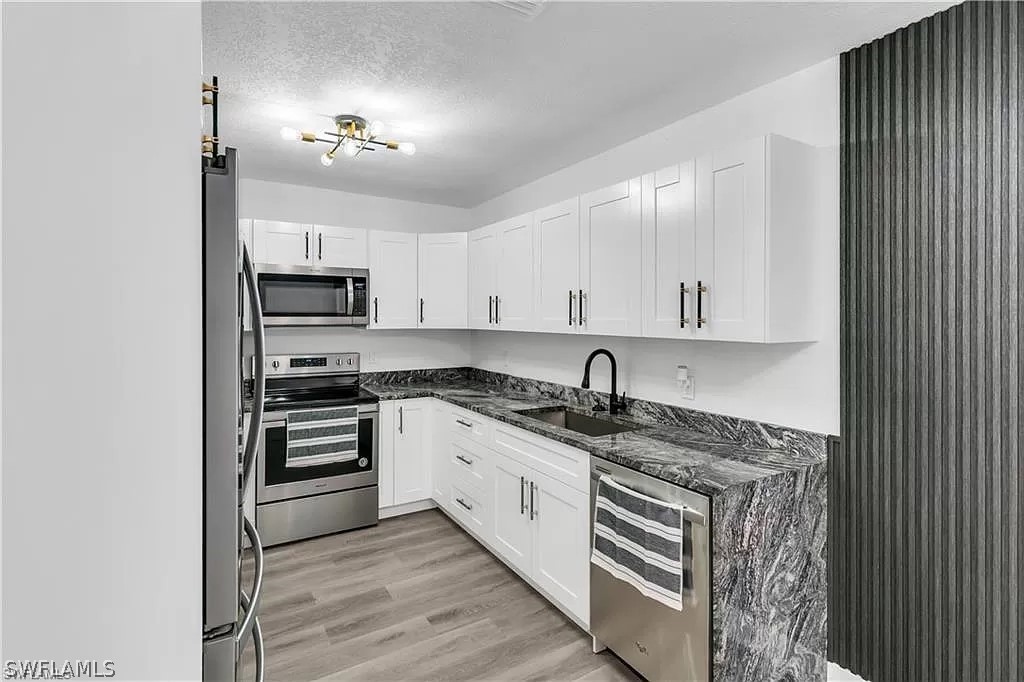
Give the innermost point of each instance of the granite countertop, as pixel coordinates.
(699, 461)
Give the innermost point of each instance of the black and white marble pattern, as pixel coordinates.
(767, 486)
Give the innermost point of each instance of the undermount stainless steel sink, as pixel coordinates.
(577, 421)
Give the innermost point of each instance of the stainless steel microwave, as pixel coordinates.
(301, 296)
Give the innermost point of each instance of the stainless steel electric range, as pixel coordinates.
(317, 470)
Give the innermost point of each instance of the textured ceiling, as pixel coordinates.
(491, 99)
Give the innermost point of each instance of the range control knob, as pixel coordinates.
(350, 361)
(275, 364)
(338, 361)
(363, 461)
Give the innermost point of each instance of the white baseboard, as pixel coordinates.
(407, 508)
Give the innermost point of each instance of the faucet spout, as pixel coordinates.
(615, 405)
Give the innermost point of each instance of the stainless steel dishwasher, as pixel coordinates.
(658, 641)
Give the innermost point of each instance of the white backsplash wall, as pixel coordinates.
(380, 349)
(300, 204)
(794, 384)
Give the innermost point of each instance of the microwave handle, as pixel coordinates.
(351, 290)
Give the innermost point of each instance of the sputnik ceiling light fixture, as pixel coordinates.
(353, 136)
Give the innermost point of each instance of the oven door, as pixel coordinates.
(313, 451)
(295, 295)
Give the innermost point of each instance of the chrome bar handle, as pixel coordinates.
(533, 513)
(583, 300)
(497, 309)
(463, 504)
(522, 495)
(490, 310)
(259, 372)
(572, 301)
(701, 290)
(683, 319)
(257, 639)
(401, 419)
(464, 460)
(251, 606)
(351, 290)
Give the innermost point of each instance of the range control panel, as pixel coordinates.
(327, 363)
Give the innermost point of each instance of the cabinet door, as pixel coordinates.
(282, 243)
(561, 549)
(245, 234)
(731, 243)
(610, 221)
(443, 281)
(512, 530)
(393, 303)
(556, 267)
(412, 450)
(669, 201)
(483, 253)
(513, 308)
(340, 247)
(386, 454)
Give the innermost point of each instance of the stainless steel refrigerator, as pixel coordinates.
(229, 607)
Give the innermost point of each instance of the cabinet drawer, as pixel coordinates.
(468, 507)
(471, 463)
(561, 462)
(469, 425)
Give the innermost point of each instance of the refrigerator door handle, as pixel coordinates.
(257, 640)
(259, 374)
(251, 606)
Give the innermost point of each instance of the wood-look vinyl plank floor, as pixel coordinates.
(413, 598)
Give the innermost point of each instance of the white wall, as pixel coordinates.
(102, 364)
(300, 204)
(795, 384)
(380, 349)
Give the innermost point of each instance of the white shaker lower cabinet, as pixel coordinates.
(393, 303)
(443, 281)
(527, 499)
(512, 530)
(413, 451)
(669, 257)
(386, 454)
(610, 267)
(755, 242)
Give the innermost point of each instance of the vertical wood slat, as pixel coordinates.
(925, 542)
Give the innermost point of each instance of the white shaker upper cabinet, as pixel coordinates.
(556, 267)
(281, 243)
(668, 198)
(610, 230)
(340, 247)
(756, 214)
(514, 299)
(443, 280)
(483, 276)
(393, 301)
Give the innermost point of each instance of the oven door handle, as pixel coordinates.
(259, 374)
(351, 290)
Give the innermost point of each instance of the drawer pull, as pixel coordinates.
(462, 503)
(468, 425)
(467, 462)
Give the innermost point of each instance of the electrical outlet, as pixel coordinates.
(685, 381)
(371, 359)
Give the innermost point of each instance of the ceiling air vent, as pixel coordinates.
(528, 9)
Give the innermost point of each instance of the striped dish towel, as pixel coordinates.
(642, 541)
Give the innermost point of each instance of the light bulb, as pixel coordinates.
(327, 159)
(290, 134)
(376, 128)
(407, 148)
(351, 147)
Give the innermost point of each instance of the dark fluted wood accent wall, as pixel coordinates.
(925, 546)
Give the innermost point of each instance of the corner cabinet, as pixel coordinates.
(501, 282)
(393, 275)
(443, 281)
(405, 434)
